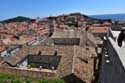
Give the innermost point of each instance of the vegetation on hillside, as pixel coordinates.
(16, 19)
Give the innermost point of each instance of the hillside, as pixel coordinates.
(89, 19)
(16, 19)
(75, 18)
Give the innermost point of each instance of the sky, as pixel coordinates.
(44, 8)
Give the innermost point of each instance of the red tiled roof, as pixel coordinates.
(99, 29)
(2, 48)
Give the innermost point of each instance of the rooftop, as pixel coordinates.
(74, 59)
(84, 36)
(66, 34)
(100, 29)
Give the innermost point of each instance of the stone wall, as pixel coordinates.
(66, 41)
(28, 73)
(112, 72)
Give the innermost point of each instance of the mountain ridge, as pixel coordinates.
(16, 19)
(26, 19)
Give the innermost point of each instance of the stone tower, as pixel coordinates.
(51, 25)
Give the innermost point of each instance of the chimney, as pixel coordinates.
(55, 53)
(39, 53)
(51, 25)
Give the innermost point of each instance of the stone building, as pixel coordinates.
(80, 38)
(71, 57)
